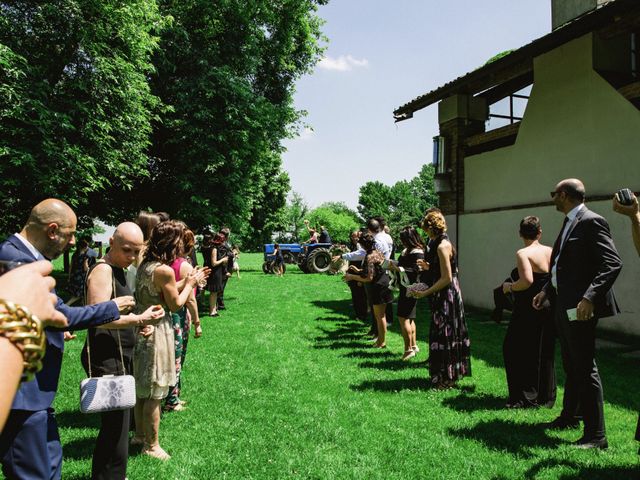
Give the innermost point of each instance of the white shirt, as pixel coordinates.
(570, 218)
(34, 251)
(381, 244)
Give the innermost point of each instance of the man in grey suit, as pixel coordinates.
(584, 266)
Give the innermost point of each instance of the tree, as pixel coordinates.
(292, 228)
(401, 204)
(338, 219)
(75, 104)
(227, 72)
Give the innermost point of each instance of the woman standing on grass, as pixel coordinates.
(211, 246)
(449, 346)
(182, 320)
(278, 262)
(376, 282)
(80, 263)
(529, 343)
(414, 249)
(154, 355)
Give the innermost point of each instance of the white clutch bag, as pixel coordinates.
(107, 393)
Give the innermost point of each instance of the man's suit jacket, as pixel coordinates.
(588, 265)
(39, 393)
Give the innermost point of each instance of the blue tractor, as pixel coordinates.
(310, 257)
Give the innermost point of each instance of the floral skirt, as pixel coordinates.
(449, 345)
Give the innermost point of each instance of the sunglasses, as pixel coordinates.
(554, 193)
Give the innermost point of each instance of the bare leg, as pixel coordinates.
(404, 328)
(379, 312)
(213, 303)
(151, 414)
(138, 438)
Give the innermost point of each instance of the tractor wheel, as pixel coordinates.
(266, 267)
(319, 260)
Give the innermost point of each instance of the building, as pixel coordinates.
(570, 105)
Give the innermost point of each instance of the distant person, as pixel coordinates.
(225, 250)
(80, 263)
(528, 347)
(313, 234)
(413, 251)
(211, 244)
(358, 295)
(376, 281)
(324, 235)
(278, 260)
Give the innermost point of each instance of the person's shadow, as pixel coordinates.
(581, 472)
(393, 386)
(472, 403)
(506, 435)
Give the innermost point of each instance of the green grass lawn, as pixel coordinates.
(283, 385)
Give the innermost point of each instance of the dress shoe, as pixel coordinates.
(563, 423)
(588, 443)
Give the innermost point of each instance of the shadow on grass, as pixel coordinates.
(368, 353)
(341, 345)
(342, 307)
(393, 386)
(504, 435)
(472, 403)
(581, 472)
(75, 419)
(79, 449)
(396, 364)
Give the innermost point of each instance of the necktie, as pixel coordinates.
(558, 243)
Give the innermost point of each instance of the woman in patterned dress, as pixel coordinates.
(449, 346)
(154, 355)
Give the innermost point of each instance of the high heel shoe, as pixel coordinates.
(408, 355)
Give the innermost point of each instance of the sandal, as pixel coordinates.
(198, 331)
(156, 451)
(408, 355)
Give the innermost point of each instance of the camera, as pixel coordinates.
(624, 196)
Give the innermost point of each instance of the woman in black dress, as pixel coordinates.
(376, 281)
(211, 248)
(414, 249)
(529, 343)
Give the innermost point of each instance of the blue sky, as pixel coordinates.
(380, 55)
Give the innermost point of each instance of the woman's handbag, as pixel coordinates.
(109, 392)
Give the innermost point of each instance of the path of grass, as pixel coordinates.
(282, 385)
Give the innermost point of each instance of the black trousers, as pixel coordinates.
(359, 300)
(112, 446)
(583, 387)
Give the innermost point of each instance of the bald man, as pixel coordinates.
(111, 346)
(584, 267)
(29, 444)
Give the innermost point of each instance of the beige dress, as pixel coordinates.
(154, 362)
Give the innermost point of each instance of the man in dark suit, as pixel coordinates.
(584, 266)
(29, 444)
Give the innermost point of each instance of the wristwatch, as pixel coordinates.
(24, 330)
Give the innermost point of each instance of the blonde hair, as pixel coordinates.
(435, 221)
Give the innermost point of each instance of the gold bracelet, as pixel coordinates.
(25, 331)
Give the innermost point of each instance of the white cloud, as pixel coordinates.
(343, 63)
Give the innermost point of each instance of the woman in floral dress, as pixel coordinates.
(449, 346)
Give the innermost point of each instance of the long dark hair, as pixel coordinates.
(411, 239)
(165, 243)
(367, 242)
(147, 221)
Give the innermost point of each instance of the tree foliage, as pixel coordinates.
(75, 103)
(338, 219)
(227, 71)
(291, 225)
(176, 106)
(402, 203)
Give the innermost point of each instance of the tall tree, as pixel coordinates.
(338, 219)
(227, 71)
(75, 104)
